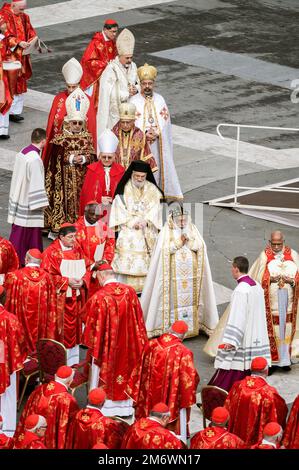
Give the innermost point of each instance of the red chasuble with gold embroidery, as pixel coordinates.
(31, 296)
(5, 441)
(9, 260)
(115, 334)
(90, 427)
(291, 432)
(29, 440)
(20, 29)
(13, 351)
(89, 237)
(165, 373)
(55, 121)
(96, 57)
(215, 437)
(52, 401)
(150, 434)
(69, 324)
(252, 403)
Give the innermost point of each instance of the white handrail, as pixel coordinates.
(245, 126)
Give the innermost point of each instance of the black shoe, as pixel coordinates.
(286, 368)
(4, 136)
(15, 118)
(271, 370)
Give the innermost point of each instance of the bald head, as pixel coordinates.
(276, 241)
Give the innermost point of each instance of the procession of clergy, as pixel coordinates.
(117, 281)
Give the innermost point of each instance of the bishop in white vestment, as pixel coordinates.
(118, 82)
(153, 118)
(179, 282)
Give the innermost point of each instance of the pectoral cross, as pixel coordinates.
(256, 342)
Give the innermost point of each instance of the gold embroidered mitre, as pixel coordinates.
(147, 72)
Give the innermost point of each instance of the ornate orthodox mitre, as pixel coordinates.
(72, 72)
(147, 72)
(125, 43)
(127, 111)
(77, 105)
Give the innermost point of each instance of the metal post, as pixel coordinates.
(237, 165)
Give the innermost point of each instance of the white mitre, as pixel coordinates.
(107, 142)
(77, 105)
(72, 72)
(125, 43)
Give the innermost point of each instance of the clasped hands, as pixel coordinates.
(151, 134)
(140, 224)
(75, 283)
(281, 280)
(77, 159)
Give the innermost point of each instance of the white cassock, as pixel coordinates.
(8, 407)
(114, 90)
(153, 112)
(246, 329)
(179, 283)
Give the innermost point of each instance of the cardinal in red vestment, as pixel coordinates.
(90, 427)
(7, 91)
(102, 177)
(216, 435)
(9, 260)
(272, 435)
(64, 260)
(291, 432)
(21, 32)
(99, 52)
(165, 373)
(96, 239)
(31, 296)
(33, 437)
(5, 441)
(252, 403)
(72, 72)
(151, 432)
(115, 335)
(53, 401)
(13, 353)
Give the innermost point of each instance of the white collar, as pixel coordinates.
(264, 441)
(109, 280)
(32, 265)
(152, 418)
(61, 383)
(88, 224)
(105, 37)
(93, 407)
(65, 248)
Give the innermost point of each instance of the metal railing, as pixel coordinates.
(239, 127)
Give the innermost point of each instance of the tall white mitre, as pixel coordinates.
(107, 142)
(77, 105)
(72, 72)
(125, 42)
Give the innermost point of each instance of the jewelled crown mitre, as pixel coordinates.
(77, 105)
(147, 72)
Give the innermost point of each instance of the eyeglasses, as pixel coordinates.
(76, 123)
(275, 243)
